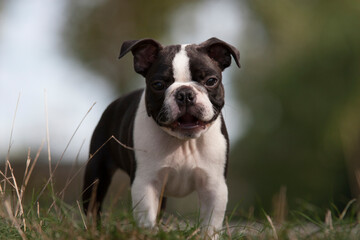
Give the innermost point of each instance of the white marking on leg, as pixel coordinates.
(145, 201)
(213, 200)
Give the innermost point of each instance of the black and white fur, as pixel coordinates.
(174, 128)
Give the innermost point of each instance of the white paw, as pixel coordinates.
(209, 232)
(145, 221)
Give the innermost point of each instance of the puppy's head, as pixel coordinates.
(184, 91)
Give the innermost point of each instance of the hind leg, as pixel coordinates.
(98, 174)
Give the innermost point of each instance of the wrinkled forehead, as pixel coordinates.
(200, 64)
(162, 68)
(182, 63)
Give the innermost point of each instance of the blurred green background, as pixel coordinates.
(299, 85)
(298, 88)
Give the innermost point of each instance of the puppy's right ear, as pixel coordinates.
(145, 52)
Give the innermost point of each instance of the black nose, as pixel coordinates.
(185, 96)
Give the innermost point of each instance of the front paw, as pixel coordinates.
(210, 233)
(145, 220)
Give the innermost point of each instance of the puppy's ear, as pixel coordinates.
(145, 52)
(221, 52)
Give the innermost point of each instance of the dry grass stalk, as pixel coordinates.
(28, 161)
(71, 138)
(74, 166)
(28, 173)
(10, 141)
(22, 188)
(272, 227)
(124, 145)
(168, 220)
(280, 206)
(51, 175)
(82, 167)
(166, 176)
(13, 219)
(34, 163)
(52, 172)
(193, 234)
(82, 215)
(51, 206)
(19, 203)
(48, 142)
(92, 209)
(37, 226)
(328, 220)
(228, 228)
(38, 209)
(343, 213)
(7, 179)
(90, 157)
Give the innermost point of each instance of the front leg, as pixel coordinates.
(145, 201)
(213, 200)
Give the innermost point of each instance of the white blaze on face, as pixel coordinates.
(181, 66)
(202, 107)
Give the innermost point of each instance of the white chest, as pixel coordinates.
(186, 164)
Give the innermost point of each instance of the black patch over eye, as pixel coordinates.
(211, 82)
(158, 85)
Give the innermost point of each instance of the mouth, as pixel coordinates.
(188, 122)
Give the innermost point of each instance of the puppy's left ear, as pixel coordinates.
(145, 52)
(221, 52)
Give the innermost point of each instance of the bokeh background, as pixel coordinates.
(293, 109)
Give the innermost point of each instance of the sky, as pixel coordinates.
(40, 83)
(32, 62)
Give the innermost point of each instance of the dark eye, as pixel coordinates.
(158, 85)
(211, 82)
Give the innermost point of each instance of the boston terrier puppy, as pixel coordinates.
(170, 138)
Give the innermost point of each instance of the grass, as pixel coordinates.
(47, 216)
(50, 217)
